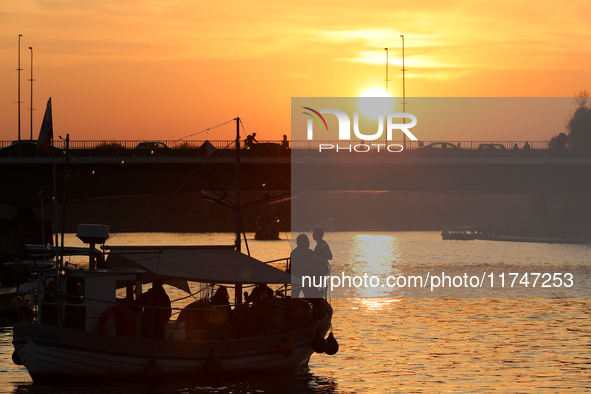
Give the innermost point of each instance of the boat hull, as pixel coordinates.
(51, 353)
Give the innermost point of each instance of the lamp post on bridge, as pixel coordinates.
(19, 69)
(403, 93)
(31, 109)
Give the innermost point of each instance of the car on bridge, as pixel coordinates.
(440, 145)
(152, 145)
(28, 148)
(152, 148)
(492, 147)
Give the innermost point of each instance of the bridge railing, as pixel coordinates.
(373, 145)
(295, 144)
(176, 148)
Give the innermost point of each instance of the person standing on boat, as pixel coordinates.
(307, 267)
(322, 249)
(157, 311)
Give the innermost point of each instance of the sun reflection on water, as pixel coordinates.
(378, 304)
(374, 255)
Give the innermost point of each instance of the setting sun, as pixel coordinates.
(152, 71)
(374, 102)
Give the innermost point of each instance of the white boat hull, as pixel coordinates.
(52, 353)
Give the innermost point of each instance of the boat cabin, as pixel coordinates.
(82, 296)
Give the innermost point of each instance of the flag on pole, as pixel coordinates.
(45, 140)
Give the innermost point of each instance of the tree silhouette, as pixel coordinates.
(579, 125)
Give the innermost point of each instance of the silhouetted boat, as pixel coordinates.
(267, 228)
(459, 233)
(83, 330)
(15, 289)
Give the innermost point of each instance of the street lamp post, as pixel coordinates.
(386, 49)
(31, 109)
(19, 69)
(403, 93)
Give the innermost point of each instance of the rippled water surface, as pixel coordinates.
(428, 345)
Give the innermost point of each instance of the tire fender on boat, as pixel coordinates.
(319, 343)
(123, 317)
(332, 345)
(16, 359)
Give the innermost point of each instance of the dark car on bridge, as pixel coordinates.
(153, 148)
(440, 145)
(492, 147)
(152, 145)
(28, 148)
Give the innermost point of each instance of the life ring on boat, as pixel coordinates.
(123, 317)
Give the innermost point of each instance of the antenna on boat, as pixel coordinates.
(237, 186)
(238, 286)
(65, 175)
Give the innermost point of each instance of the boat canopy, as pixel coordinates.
(198, 264)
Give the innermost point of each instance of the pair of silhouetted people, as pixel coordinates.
(312, 264)
(157, 311)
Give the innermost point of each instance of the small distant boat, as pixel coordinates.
(17, 283)
(459, 233)
(16, 303)
(267, 228)
(19, 271)
(9, 302)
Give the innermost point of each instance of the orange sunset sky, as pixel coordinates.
(160, 70)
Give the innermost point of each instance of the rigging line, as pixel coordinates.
(185, 297)
(182, 183)
(215, 172)
(267, 165)
(272, 170)
(243, 128)
(209, 128)
(168, 194)
(279, 176)
(282, 225)
(152, 205)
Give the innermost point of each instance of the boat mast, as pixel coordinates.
(237, 186)
(65, 177)
(238, 287)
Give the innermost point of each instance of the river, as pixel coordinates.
(534, 340)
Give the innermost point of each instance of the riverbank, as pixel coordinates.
(510, 238)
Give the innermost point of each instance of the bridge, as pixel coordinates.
(112, 169)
